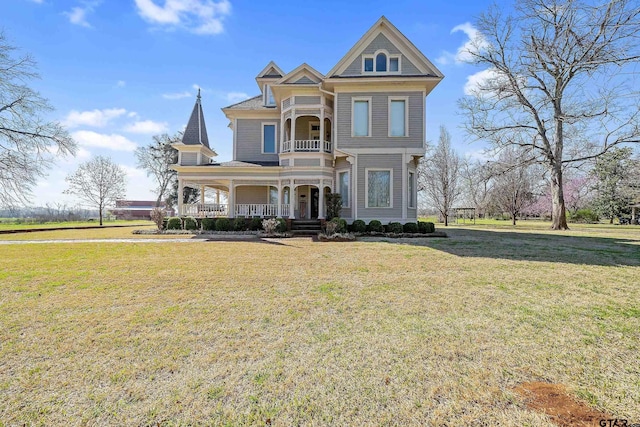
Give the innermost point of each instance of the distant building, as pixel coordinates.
(137, 209)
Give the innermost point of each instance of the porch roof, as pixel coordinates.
(239, 164)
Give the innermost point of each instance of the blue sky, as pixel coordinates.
(119, 71)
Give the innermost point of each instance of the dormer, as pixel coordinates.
(265, 79)
(194, 148)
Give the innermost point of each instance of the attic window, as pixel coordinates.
(381, 63)
(269, 100)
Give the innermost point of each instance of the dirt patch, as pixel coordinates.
(563, 409)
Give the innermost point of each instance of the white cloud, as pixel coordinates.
(37, 1)
(475, 41)
(479, 79)
(147, 127)
(121, 83)
(132, 114)
(78, 15)
(197, 16)
(95, 118)
(234, 97)
(140, 186)
(86, 138)
(178, 95)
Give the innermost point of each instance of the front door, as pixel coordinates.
(314, 202)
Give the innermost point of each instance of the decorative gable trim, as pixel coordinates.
(299, 73)
(271, 71)
(403, 44)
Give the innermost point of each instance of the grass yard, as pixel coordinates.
(12, 225)
(292, 332)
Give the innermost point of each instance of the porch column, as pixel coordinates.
(217, 197)
(321, 198)
(232, 200)
(280, 199)
(291, 199)
(293, 132)
(202, 194)
(180, 196)
(322, 138)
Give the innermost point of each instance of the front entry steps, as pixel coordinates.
(305, 227)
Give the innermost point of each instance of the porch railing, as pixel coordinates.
(307, 146)
(199, 210)
(205, 210)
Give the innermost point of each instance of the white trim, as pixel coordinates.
(416, 151)
(405, 202)
(414, 195)
(235, 144)
(387, 71)
(355, 99)
(366, 187)
(275, 136)
(338, 183)
(406, 116)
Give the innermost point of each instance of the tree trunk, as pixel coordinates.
(559, 214)
(100, 214)
(513, 219)
(446, 220)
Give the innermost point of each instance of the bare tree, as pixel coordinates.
(513, 182)
(559, 82)
(476, 182)
(438, 175)
(27, 142)
(99, 182)
(156, 159)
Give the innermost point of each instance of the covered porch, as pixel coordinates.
(262, 200)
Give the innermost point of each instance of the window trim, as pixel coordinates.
(348, 172)
(265, 96)
(373, 57)
(355, 99)
(275, 136)
(406, 116)
(366, 187)
(411, 203)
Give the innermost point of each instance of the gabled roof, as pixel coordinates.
(196, 131)
(397, 38)
(254, 103)
(270, 71)
(302, 74)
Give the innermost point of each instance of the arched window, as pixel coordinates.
(381, 62)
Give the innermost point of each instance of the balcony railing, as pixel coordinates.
(307, 146)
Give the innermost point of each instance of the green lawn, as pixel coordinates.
(6, 224)
(292, 332)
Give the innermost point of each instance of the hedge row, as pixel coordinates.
(216, 224)
(375, 226)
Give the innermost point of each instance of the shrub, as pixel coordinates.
(426, 227)
(334, 205)
(270, 225)
(584, 215)
(341, 225)
(282, 225)
(190, 223)
(255, 224)
(330, 228)
(375, 226)
(239, 224)
(209, 224)
(358, 226)
(410, 227)
(174, 223)
(157, 216)
(394, 227)
(223, 224)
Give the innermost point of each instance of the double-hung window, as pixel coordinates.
(379, 188)
(268, 138)
(343, 187)
(269, 100)
(398, 117)
(361, 117)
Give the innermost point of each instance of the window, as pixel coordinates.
(381, 62)
(285, 195)
(268, 138)
(273, 195)
(368, 64)
(394, 64)
(379, 188)
(269, 100)
(360, 122)
(412, 190)
(343, 187)
(397, 117)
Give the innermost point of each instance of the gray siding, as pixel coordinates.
(189, 159)
(380, 122)
(251, 194)
(380, 161)
(249, 140)
(307, 100)
(306, 162)
(381, 42)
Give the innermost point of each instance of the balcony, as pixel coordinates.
(307, 146)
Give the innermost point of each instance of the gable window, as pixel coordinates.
(398, 117)
(368, 64)
(412, 190)
(268, 138)
(394, 64)
(381, 62)
(269, 100)
(343, 187)
(379, 191)
(361, 117)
